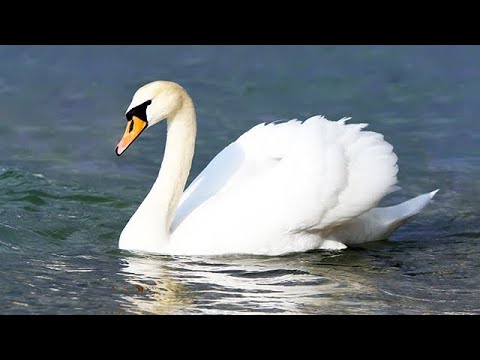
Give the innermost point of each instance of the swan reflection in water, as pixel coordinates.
(298, 284)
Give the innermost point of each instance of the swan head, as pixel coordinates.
(152, 103)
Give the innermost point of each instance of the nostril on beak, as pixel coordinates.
(130, 129)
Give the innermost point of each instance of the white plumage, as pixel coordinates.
(281, 188)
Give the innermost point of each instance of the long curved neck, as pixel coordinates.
(177, 161)
(176, 164)
(149, 227)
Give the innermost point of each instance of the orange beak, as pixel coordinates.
(135, 127)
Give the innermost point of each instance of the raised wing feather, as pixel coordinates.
(289, 178)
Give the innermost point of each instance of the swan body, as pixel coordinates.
(279, 188)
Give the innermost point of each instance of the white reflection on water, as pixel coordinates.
(245, 285)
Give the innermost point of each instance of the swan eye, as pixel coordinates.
(139, 111)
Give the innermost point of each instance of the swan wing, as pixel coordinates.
(281, 180)
(252, 155)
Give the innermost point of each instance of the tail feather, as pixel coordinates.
(404, 211)
(380, 223)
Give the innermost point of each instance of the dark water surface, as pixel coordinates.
(65, 196)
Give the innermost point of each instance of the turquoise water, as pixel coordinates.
(65, 196)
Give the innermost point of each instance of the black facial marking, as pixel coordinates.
(130, 129)
(139, 111)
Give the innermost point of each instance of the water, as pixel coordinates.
(65, 196)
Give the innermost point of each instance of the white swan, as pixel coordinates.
(279, 188)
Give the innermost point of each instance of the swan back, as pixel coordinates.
(280, 185)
